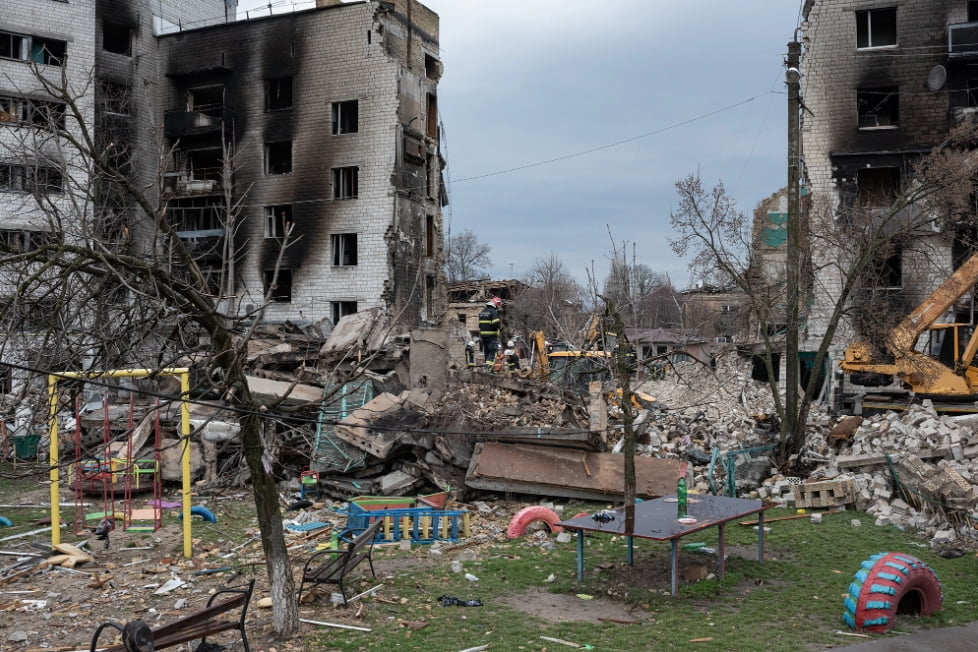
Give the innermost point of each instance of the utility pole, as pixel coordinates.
(790, 428)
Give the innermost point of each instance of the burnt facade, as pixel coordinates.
(306, 174)
(883, 83)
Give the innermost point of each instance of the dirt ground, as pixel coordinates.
(58, 608)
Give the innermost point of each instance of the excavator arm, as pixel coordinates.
(920, 372)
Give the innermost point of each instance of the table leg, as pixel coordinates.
(580, 555)
(631, 551)
(722, 550)
(674, 555)
(760, 537)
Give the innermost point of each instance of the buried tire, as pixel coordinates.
(887, 585)
(529, 518)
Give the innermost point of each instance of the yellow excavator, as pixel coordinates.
(946, 370)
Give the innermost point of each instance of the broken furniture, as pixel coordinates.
(656, 520)
(401, 518)
(199, 625)
(332, 566)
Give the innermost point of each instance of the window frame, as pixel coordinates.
(346, 117)
(275, 84)
(862, 115)
(340, 245)
(281, 292)
(340, 309)
(864, 22)
(278, 218)
(346, 182)
(269, 147)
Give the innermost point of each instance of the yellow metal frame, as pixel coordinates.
(54, 445)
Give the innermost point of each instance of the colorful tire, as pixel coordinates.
(887, 585)
(201, 511)
(523, 518)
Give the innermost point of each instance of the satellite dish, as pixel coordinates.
(936, 78)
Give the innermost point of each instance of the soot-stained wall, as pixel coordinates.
(368, 56)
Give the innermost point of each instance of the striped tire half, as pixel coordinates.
(889, 584)
(523, 518)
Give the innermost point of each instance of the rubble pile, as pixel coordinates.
(915, 468)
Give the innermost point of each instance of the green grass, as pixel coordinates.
(793, 601)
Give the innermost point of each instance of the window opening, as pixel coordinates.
(278, 157)
(32, 48)
(972, 11)
(432, 67)
(345, 182)
(346, 117)
(429, 236)
(281, 290)
(21, 178)
(876, 28)
(277, 220)
(25, 241)
(432, 121)
(344, 249)
(113, 97)
(117, 38)
(341, 309)
(878, 107)
(877, 187)
(278, 94)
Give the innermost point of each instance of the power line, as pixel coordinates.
(618, 143)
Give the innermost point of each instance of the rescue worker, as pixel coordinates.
(489, 327)
(469, 353)
(512, 358)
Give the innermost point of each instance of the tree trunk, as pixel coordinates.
(285, 609)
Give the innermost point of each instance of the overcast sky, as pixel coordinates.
(568, 122)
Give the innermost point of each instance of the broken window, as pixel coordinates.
(876, 28)
(278, 157)
(344, 249)
(13, 46)
(20, 178)
(6, 379)
(878, 107)
(346, 117)
(888, 267)
(113, 97)
(278, 286)
(13, 110)
(877, 186)
(432, 67)
(24, 241)
(277, 220)
(341, 309)
(972, 11)
(429, 236)
(432, 117)
(39, 113)
(117, 38)
(345, 182)
(278, 94)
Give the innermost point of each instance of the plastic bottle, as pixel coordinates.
(681, 497)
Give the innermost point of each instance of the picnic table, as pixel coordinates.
(657, 520)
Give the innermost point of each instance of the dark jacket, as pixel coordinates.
(489, 322)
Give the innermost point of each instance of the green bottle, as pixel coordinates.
(681, 496)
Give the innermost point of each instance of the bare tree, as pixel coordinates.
(842, 258)
(552, 303)
(101, 302)
(467, 257)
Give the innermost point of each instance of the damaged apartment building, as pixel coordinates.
(296, 154)
(882, 84)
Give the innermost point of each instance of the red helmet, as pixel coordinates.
(495, 301)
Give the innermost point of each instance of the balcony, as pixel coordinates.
(200, 120)
(206, 245)
(199, 181)
(962, 40)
